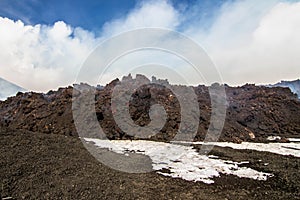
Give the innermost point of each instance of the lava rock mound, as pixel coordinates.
(253, 112)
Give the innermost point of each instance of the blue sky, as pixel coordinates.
(43, 43)
(91, 14)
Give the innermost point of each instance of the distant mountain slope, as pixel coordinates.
(8, 89)
(293, 85)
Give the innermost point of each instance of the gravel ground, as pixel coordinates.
(42, 166)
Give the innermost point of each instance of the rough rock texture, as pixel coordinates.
(293, 85)
(253, 112)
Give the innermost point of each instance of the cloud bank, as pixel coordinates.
(250, 41)
(42, 57)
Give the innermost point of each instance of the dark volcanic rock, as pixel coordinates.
(293, 85)
(253, 112)
(46, 113)
(263, 111)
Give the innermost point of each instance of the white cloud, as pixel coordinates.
(151, 13)
(253, 41)
(250, 41)
(42, 57)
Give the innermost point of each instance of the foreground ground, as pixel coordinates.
(41, 166)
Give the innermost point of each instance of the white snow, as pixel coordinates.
(294, 139)
(278, 148)
(182, 161)
(273, 138)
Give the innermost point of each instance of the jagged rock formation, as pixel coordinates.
(253, 112)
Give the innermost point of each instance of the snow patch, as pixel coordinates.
(273, 138)
(278, 148)
(180, 160)
(294, 139)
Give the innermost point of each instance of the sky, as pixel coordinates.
(44, 43)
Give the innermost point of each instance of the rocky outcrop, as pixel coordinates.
(253, 112)
(293, 85)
